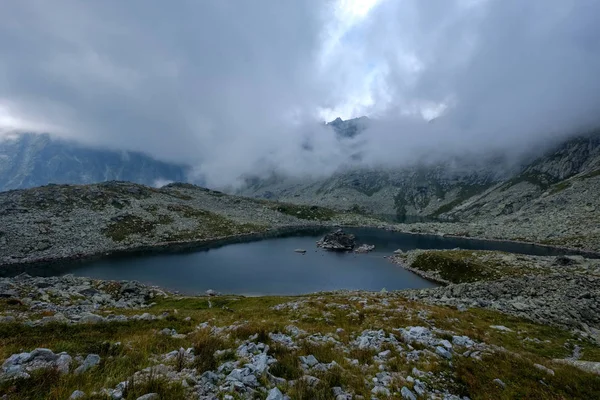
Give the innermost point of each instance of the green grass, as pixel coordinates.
(542, 180)
(311, 213)
(465, 193)
(460, 266)
(523, 380)
(127, 226)
(559, 187)
(592, 174)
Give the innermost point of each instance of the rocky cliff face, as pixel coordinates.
(455, 190)
(30, 160)
(408, 194)
(562, 180)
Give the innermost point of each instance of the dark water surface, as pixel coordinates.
(270, 266)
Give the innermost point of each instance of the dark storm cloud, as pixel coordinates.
(235, 87)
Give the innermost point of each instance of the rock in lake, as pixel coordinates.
(364, 248)
(302, 251)
(337, 241)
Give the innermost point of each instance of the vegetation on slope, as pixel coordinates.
(126, 347)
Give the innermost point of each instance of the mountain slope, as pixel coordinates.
(30, 160)
(406, 194)
(566, 168)
(71, 221)
(454, 190)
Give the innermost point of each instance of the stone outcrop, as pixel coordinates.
(337, 241)
(569, 300)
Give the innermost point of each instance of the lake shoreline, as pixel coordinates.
(282, 231)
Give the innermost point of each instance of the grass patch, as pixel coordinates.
(165, 389)
(456, 266)
(311, 213)
(288, 363)
(559, 187)
(209, 225)
(466, 192)
(205, 346)
(540, 179)
(523, 380)
(592, 174)
(129, 225)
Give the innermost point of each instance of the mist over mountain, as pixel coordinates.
(29, 159)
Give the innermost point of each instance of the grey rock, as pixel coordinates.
(238, 374)
(310, 360)
(311, 380)
(146, 317)
(407, 394)
(381, 390)
(40, 354)
(365, 248)
(499, 383)
(443, 352)
(544, 368)
(149, 396)
(63, 363)
(337, 241)
(501, 328)
(90, 361)
(275, 394)
(385, 353)
(89, 318)
(8, 293)
(77, 394)
(419, 387)
(463, 341)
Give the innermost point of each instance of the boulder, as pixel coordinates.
(149, 396)
(78, 394)
(89, 318)
(337, 241)
(407, 394)
(90, 361)
(275, 394)
(364, 248)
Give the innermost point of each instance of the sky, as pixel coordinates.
(236, 88)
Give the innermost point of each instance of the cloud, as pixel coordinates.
(237, 88)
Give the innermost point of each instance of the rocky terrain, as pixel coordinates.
(78, 338)
(69, 221)
(30, 159)
(562, 291)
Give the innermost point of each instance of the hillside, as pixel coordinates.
(71, 221)
(29, 160)
(457, 189)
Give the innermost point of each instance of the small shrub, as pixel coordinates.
(205, 347)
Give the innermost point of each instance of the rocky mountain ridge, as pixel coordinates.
(450, 191)
(30, 159)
